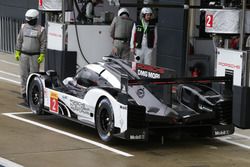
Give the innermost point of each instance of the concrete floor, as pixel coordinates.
(50, 141)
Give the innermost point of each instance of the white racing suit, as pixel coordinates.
(143, 54)
(31, 41)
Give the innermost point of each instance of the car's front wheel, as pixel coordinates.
(36, 96)
(105, 120)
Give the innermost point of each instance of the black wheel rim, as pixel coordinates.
(105, 121)
(35, 94)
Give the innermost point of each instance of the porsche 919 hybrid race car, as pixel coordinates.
(120, 99)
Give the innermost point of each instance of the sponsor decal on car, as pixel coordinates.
(222, 130)
(137, 137)
(148, 71)
(79, 107)
(64, 97)
(53, 102)
(148, 74)
(158, 70)
(124, 107)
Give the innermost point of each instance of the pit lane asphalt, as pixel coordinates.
(33, 146)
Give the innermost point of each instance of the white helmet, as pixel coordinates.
(31, 14)
(123, 11)
(146, 11)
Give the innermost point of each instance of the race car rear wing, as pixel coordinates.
(164, 76)
(167, 81)
(224, 85)
(154, 77)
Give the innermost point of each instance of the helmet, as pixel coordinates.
(123, 11)
(146, 11)
(31, 14)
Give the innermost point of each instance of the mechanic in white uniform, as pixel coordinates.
(30, 47)
(120, 31)
(144, 37)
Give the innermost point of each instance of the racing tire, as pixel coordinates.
(36, 96)
(105, 120)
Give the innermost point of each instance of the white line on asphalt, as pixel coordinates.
(22, 106)
(14, 75)
(7, 163)
(15, 64)
(243, 136)
(227, 140)
(13, 115)
(19, 113)
(10, 80)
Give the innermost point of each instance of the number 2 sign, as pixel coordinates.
(40, 2)
(53, 102)
(209, 21)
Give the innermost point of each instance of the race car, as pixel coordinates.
(118, 99)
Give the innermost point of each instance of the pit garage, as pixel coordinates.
(198, 50)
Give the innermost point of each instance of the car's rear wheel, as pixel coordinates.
(105, 120)
(36, 96)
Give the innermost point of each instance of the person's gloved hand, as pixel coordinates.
(17, 55)
(40, 58)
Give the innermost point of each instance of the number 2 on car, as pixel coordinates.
(53, 102)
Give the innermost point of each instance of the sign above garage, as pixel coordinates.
(225, 21)
(54, 5)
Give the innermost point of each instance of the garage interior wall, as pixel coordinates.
(16, 8)
(172, 36)
(11, 17)
(172, 30)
